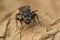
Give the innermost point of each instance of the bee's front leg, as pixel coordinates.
(36, 18)
(18, 21)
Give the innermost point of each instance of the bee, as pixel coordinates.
(26, 15)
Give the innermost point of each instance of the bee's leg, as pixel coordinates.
(17, 21)
(34, 22)
(18, 18)
(21, 24)
(16, 24)
(36, 18)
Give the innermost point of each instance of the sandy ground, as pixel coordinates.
(49, 17)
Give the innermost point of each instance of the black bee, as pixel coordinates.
(26, 14)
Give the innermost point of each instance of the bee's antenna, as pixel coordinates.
(34, 11)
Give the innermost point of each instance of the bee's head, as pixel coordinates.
(24, 9)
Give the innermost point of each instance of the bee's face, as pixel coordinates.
(27, 18)
(26, 11)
